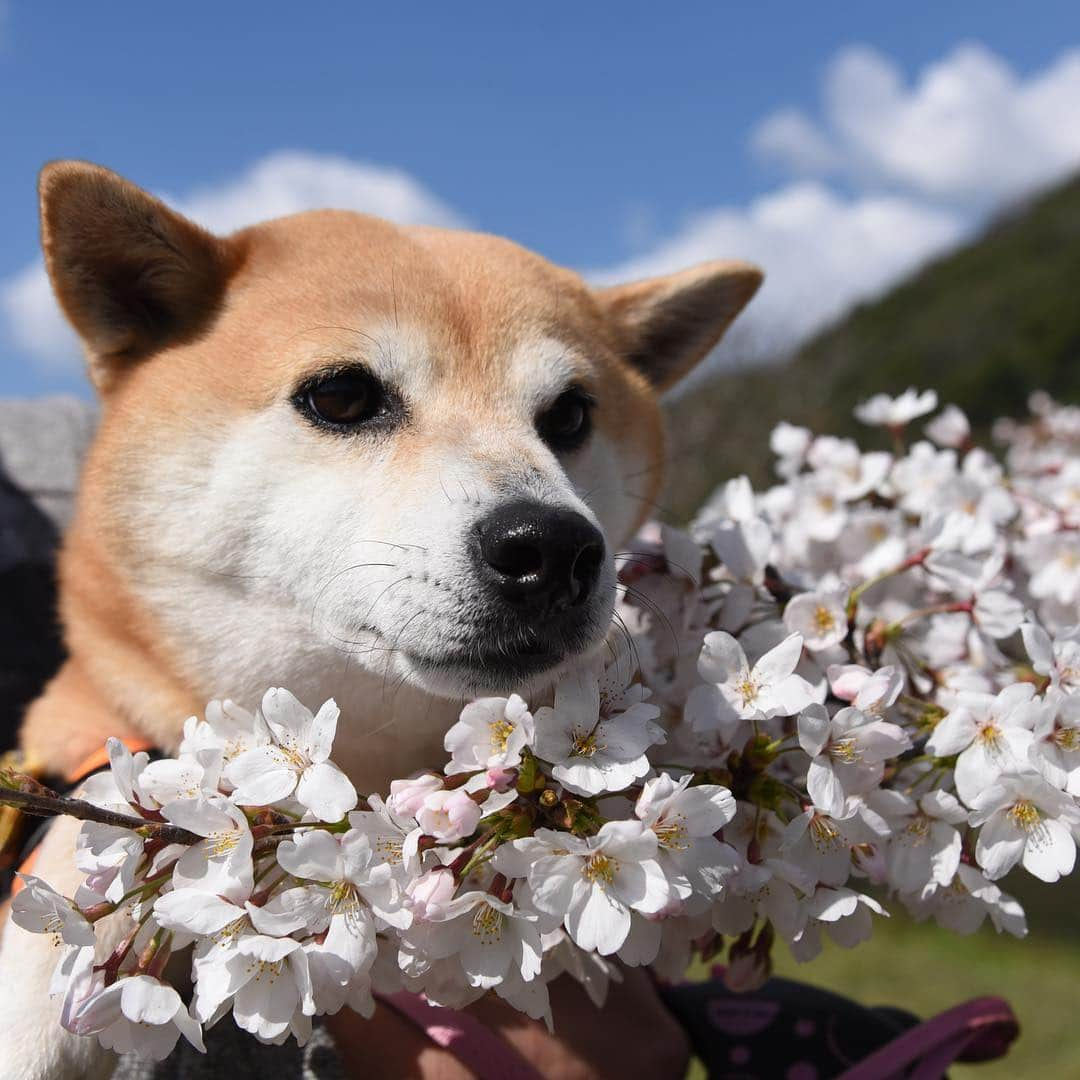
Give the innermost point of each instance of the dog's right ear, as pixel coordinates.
(131, 275)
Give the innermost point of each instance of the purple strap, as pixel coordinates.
(978, 1030)
(473, 1043)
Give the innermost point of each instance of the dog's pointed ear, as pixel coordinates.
(131, 274)
(669, 324)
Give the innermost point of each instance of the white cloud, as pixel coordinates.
(290, 181)
(968, 130)
(821, 254)
(791, 137)
(283, 183)
(33, 320)
(924, 164)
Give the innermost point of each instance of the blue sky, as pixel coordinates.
(608, 136)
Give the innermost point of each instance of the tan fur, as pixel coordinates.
(244, 319)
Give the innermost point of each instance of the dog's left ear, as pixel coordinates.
(669, 324)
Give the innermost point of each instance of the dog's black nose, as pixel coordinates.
(540, 556)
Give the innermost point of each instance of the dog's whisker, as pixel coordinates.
(390, 543)
(334, 577)
(645, 556)
(644, 601)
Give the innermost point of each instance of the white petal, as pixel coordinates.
(1000, 847)
(200, 815)
(195, 911)
(787, 697)
(721, 658)
(1050, 852)
(814, 729)
(326, 791)
(261, 776)
(953, 733)
(314, 855)
(824, 787)
(146, 1001)
(779, 662)
(323, 729)
(289, 720)
(1039, 648)
(597, 923)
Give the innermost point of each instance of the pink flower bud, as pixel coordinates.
(746, 972)
(749, 965)
(429, 894)
(449, 815)
(500, 779)
(407, 796)
(846, 680)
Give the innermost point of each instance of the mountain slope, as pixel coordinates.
(984, 326)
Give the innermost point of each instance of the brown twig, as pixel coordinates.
(30, 802)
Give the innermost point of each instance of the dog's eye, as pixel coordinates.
(345, 400)
(566, 423)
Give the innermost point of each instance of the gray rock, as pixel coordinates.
(42, 444)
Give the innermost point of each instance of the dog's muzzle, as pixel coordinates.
(541, 561)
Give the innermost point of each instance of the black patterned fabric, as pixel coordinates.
(785, 1031)
(42, 443)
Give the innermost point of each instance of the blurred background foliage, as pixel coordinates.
(984, 326)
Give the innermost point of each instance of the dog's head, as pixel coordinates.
(330, 443)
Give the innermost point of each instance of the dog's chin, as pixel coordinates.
(487, 672)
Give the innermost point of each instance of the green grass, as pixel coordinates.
(925, 970)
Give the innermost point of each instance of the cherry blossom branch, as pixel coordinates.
(950, 607)
(32, 802)
(856, 594)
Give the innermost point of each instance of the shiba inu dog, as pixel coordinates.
(393, 466)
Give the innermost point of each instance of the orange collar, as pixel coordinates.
(100, 758)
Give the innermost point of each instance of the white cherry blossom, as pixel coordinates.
(950, 427)
(768, 688)
(990, 733)
(819, 617)
(924, 853)
(595, 741)
(489, 936)
(221, 863)
(685, 820)
(885, 411)
(1023, 819)
(39, 908)
(593, 882)
(139, 1014)
(966, 902)
(491, 732)
(1055, 748)
(848, 751)
(846, 916)
(296, 763)
(1058, 658)
(226, 728)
